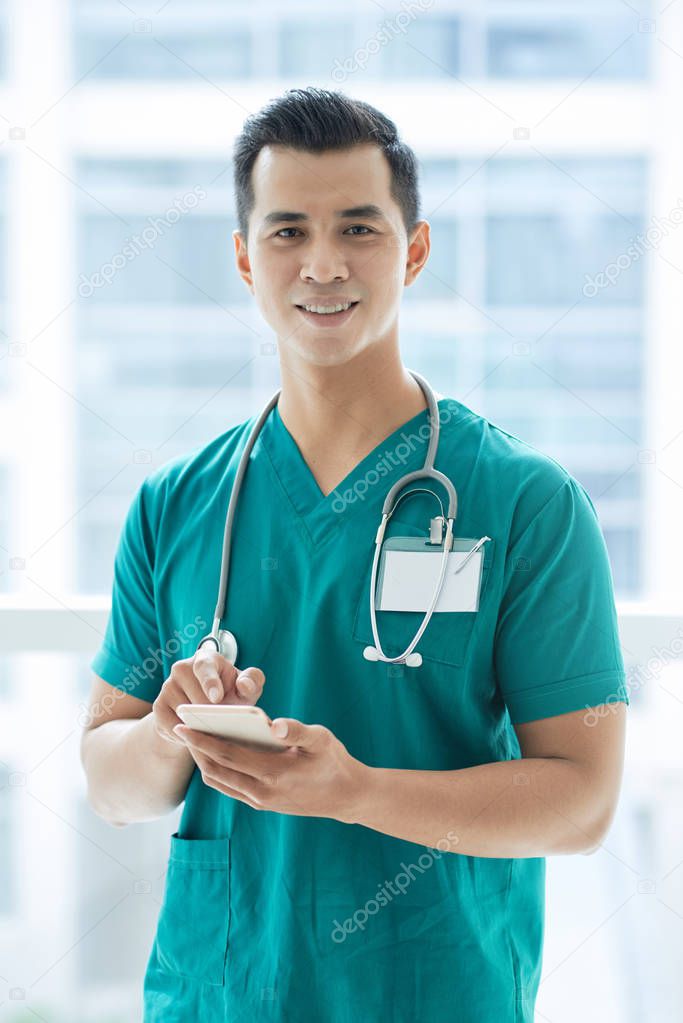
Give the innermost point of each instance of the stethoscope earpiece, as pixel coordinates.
(414, 660)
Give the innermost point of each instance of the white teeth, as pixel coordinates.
(326, 309)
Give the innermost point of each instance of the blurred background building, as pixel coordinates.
(550, 150)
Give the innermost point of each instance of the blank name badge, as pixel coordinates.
(409, 570)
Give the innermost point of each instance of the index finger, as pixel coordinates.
(214, 672)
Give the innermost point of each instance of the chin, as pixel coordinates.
(328, 351)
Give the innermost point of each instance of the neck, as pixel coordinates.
(348, 410)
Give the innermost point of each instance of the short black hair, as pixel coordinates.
(316, 120)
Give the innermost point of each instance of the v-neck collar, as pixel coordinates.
(363, 489)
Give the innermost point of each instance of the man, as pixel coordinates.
(389, 866)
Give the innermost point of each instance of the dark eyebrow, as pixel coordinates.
(367, 212)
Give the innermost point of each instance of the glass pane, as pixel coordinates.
(79, 899)
(426, 48)
(312, 49)
(564, 47)
(502, 318)
(164, 322)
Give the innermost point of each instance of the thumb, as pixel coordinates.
(296, 733)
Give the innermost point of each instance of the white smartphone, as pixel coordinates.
(245, 725)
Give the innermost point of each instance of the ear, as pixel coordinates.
(242, 259)
(418, 251)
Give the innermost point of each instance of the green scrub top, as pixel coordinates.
(272, 917)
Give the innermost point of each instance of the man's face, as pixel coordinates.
(326, 259)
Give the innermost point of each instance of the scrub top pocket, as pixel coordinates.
(447, 636)
(192, 932)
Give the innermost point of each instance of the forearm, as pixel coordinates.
(529, 807)
(132, 773)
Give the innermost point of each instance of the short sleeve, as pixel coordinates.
(129, 657)
(557, 640)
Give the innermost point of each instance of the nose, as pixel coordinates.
(323, 262)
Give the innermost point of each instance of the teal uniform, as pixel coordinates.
(271, 917)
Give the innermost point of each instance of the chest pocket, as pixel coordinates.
(447, 636)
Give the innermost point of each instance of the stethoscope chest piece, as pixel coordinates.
(225, 644)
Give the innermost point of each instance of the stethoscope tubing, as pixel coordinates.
(225, 642)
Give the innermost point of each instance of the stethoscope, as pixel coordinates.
(225, 641)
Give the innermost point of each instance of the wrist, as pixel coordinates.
(362, 793)
(163, 748)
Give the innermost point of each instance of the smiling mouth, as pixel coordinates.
(312, 313)
(328, 320)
